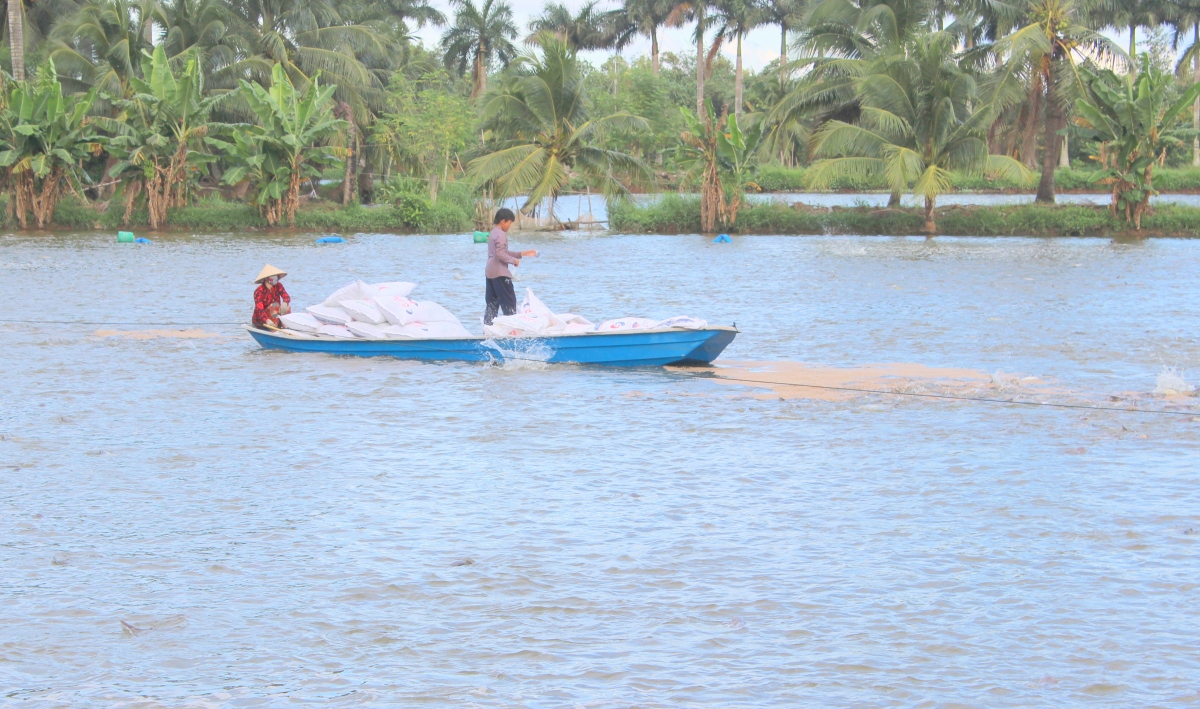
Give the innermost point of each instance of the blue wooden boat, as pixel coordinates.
(617, 349)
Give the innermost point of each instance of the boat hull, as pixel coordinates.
(614, 349)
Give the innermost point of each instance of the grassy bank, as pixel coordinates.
(675, 214)
(408, 213)
(780, 179)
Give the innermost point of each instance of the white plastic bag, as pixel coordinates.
(301, 322)
(367, 331)
(425, 331)
(683, 321)
(532, 306)
(518, 326)
(398, 289)
(626, 324)
(437, 330)
(363, 311)
(337, 331)
(351, 291)
(330, 315)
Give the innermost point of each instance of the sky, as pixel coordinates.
(760, 47)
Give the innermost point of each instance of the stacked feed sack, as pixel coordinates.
(378, 311)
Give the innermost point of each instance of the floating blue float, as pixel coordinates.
(141, 240)
(331, 240)
(723, 239)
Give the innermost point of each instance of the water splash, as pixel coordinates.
(1170, 382)
(519, 353)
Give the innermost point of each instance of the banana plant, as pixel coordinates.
(285, 146)
(158, 135)
(1134, 124)
(722, 160)
(43, 138)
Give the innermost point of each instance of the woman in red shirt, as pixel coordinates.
(270, 299)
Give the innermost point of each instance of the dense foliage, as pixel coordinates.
(152, 104)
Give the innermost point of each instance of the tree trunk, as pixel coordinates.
(1133, 47)
(930, 225)
(480, 83)
(344, 112)
(1050, 142)
(893, 200)
(737, 80)
(654, 50)
(700, 61)
(782, 53)
(16, 39)
(1196, 106)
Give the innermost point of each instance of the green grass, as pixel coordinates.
(773, 178)
(453, 212)
(675, 214)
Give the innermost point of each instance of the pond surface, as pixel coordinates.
(193, 521)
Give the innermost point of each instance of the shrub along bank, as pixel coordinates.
(675, 214)
(407, 212)
(781, 179)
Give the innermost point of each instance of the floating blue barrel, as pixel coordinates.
(332, 239)
(723, 239)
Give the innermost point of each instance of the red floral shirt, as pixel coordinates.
(266, 296)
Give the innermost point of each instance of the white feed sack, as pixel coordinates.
(301, 322)
(330, 315)
(395, 308)
(337, 331)
(398, 289)
(363, 311)
(355, 290)
(367, 331)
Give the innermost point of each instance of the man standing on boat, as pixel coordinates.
(270, 299)
(499, 295)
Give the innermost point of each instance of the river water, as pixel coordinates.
(190, 521)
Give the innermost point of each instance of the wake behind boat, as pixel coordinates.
(622, 348)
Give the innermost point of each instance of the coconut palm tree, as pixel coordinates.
(784, 14)
(352, 45)
(734, 18)
(587, 29)
(539, 117)
(643, 18)
(920, 120)
(1042, 60)
(1130, 14)
(1182, 22)
(101, 44)
(479, 36)
(16, 38)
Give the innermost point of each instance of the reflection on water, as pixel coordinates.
(193, 521)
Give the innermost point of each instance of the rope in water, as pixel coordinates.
(86, 322)
(758, 382)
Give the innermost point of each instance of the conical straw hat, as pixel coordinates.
(267, 272)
